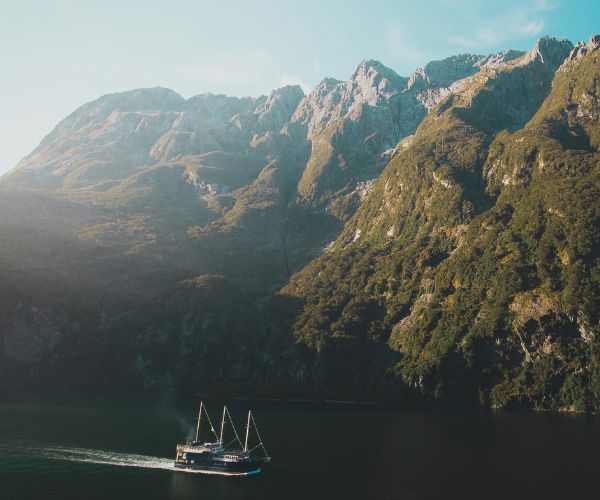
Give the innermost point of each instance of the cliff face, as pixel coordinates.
(465, 271)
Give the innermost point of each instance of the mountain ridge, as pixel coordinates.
(457, 279)
(395, 184)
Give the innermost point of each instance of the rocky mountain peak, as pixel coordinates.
(445, 72)
(581, 49)
(316, 109)
(500, 58)
(325, 84)
(372, 81)
(272, 112)
(152, 97)
(418, 78)
(220, 105)
(143, 99)
(428, 85)
(290, 92)
(281, 103)
(549, 51)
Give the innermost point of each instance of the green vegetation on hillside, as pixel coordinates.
(472, 272)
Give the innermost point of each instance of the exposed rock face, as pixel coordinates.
(106, 140)
(371, 83)
(581, 49)
(549, 51)
(351, 124)
(434, 82)
(276, 111)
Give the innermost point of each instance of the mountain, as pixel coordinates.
(382, 237)
(469, 274)
(354, 126)
(225, 185)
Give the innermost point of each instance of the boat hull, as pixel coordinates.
(247, 469)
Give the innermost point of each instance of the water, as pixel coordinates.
(71, 448)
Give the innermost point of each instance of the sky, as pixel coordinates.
(56, 55)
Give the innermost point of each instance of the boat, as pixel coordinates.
(217, 457)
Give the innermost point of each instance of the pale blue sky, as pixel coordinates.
(58, 54)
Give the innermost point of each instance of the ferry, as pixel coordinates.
(217, 457)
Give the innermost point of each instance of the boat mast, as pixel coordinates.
(260, 440)
(199, 417)
(222, 424)
(247, 431)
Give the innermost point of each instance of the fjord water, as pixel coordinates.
(123, 449)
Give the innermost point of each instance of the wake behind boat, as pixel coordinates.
(231, 459)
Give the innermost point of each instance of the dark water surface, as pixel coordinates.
(123, 449)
